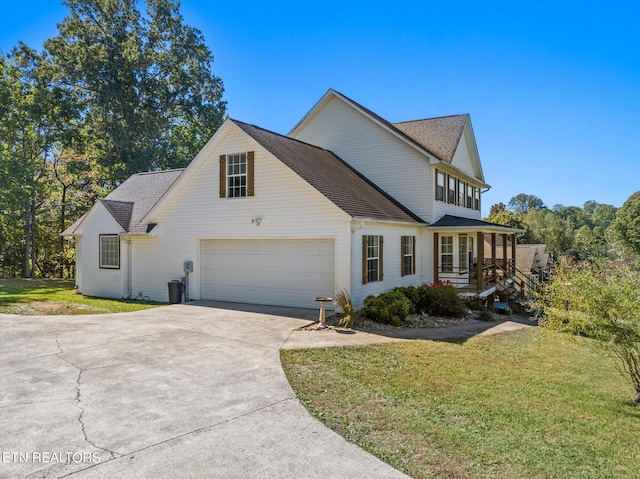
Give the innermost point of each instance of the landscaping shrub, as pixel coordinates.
(446, 301)
(421, 297)
(391, 307)
(476, 303)
(485, 315)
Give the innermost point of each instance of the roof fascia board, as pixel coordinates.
(389, 222)
(447, 168)
(186, 174)
(94, 209)
(484, 229)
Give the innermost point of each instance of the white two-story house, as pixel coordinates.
(345, 200)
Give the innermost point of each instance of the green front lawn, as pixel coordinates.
(524, 404)
(57, 296)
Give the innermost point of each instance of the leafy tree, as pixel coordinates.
(625, 228)
(150, 99)
(522, 203)
(601, 302)
(36, 116)
(497, 208)
(507, 218)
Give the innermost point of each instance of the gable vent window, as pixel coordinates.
(236, 175)
(372, 247)
(110, 251)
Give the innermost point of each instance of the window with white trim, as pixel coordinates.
(439, 185)
(408, 244)
(372, 255)
(461, 195)
(237, 175)
(463, 253)
(451, 194)
(446, 254)
(109, 251)
(476, 201)
(469, 196)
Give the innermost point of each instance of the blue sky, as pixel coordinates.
(553, 87)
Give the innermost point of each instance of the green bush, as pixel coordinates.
(446, 301)
(421, 297)
(391, 307)
(476, 303)
(485, 315)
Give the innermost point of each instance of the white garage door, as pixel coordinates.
(277, 272)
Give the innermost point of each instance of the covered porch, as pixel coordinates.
(475, 256)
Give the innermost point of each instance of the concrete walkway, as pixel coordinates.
(189, 391)
(337, 337)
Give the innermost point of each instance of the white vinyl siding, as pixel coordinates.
(94, 280)
(196, 212)
(374, 152)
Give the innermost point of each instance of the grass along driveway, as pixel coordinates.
(524, 404)
(57, 296)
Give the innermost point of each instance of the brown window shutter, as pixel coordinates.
(250, 162)
(364, 260)
(381, 260)
(402, 240)
(223, 176)
(414, 255)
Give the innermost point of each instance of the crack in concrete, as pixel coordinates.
(180, 436)
(78, 405)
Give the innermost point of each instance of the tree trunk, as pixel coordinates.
(63, 211)
(26, 273)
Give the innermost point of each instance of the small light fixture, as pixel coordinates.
(257, 221)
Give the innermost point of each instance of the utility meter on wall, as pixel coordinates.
(188, 266)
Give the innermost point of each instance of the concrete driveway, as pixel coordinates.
(182, 391)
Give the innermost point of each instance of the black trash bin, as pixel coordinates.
(175, 291)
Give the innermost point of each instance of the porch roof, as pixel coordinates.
(460, 223)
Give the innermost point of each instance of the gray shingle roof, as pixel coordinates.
(438, 135)
(133, 199)
(332, 177)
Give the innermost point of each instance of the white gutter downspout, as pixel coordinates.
(129, 286)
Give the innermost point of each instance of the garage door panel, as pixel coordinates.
(281, 272)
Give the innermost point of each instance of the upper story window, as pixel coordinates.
(109, 251)
(455, 191)
(439, 185)
(408, 257)
(451, 193)
(236, 175)
(372, 247)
